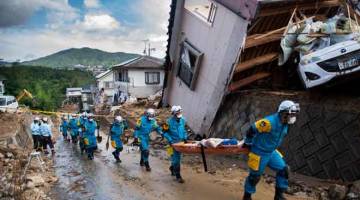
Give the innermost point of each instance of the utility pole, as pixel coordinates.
(147, 50)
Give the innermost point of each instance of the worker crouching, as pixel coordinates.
(174, 132)
(263, 139)
(144, 126)
(89, 136)
(116, 131)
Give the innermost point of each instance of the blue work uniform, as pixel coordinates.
(81, 123)
(116, 131)
(46, 133)
(36, 135)
(64, 128)
(175, 131)
(73, 124)
(264, 137)
(90, 138)
(143, 128)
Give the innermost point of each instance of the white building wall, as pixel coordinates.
(221, 44)
(107, 78)
(2, 88)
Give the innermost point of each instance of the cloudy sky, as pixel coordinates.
(34, 28)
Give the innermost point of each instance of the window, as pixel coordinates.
(189, 63)
(204, 9)
(123, 76)
(152, 78)
(2, 101)
(108, 84)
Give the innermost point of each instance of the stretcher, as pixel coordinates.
(195, 147)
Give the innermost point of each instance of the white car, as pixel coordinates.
(8, 104)
(328, 63)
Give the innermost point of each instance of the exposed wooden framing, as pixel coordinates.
(256, 61)
(252, 42)
(301, 6)
(246, 81)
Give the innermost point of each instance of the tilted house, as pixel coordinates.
(219, 49)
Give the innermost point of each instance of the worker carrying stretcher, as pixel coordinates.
(262, 140)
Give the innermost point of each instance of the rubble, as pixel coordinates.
(337, 192)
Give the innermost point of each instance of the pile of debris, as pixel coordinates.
(15, 183)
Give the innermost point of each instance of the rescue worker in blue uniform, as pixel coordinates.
(64, 126)
(46, 133)
(116, 131)
(144, 126)
(73, 124)
(36, 134)
(89, 136)
(262, 140)
(175, 131)
(81, 125)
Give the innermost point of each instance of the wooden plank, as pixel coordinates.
(301, 6)
(252, 42)
(256, 61)
(246, 81)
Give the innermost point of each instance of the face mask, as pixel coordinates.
(150, 118)
(91, 119)
(291, 120)
(178, 116)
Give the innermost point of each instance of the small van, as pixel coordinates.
(8, 104)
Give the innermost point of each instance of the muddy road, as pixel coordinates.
(104, 179)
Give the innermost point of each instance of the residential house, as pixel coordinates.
(139, 77)
(220, 50)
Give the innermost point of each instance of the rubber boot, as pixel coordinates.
(279, 194)
(247, 196)
(148, 168)
(141, 162)
(171, 168)
(52, 152)
(179, 179)
(116, 156)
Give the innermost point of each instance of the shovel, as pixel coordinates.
(98, 137)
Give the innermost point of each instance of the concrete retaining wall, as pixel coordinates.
(325, 142)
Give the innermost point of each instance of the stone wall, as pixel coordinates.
(325, 141)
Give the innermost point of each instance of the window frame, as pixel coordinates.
(186, 45)
(124, 76)
(210, 18)
(147, 78)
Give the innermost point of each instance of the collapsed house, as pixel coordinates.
(218, 50)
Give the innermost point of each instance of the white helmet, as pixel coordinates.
(176, 109)
(73, 115)
(37, 118)
(289, 107)
(150, 113)
(45, 119)
(90, 115)
(84, 114)
(119, 118)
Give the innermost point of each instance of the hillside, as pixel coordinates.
(83, 56)
(47, 85)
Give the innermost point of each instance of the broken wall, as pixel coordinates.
(325, 141)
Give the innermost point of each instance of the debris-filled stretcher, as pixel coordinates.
(213, 146)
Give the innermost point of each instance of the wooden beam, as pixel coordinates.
(252, 42)
(301, 7)
(256, 61)
(246, 81)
